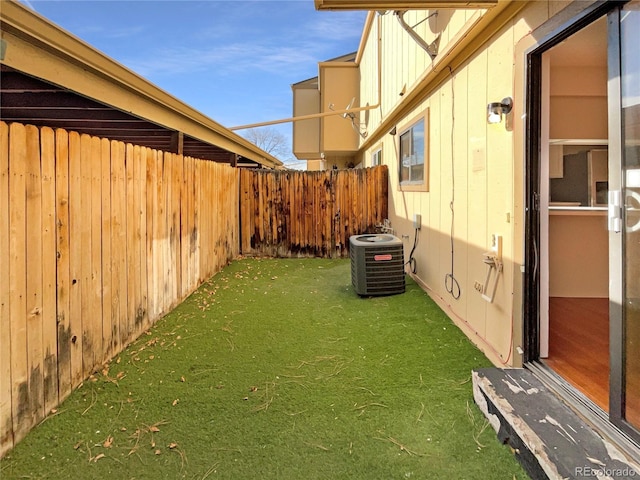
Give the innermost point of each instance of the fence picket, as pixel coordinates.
(184, 227)
(95, 314)
(34, 259)
(152, 197)
(107, 288)
(85, 249)
(118, 246)
(142, 241)
(175, 226)
(131, 248)
(134, 254)
(75, 260)
(18, 281)
(49, 327)
(6, 426)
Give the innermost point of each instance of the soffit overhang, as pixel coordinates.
(401, 4)
(52, 78)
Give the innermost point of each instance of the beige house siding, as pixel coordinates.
(306, 133)
(338, 90)
(474, 171)
(472, 167)
(475, 165)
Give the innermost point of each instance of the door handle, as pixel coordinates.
(614, 212)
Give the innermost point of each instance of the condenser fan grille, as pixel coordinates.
(377, 264)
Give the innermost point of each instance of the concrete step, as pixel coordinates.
(550, 440)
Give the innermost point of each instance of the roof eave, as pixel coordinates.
(401, 4)
(28, 29)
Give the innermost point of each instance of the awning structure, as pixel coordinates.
(401, 4)
(52, 78)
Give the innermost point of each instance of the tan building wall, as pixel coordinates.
(306, 133)
(476, 172)
(339, 83)
(470, 163)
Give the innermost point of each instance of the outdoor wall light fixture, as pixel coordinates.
(495, 110)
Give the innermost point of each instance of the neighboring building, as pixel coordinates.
(508, 128)
(330, 141)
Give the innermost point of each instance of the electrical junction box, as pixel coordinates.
(417, 221)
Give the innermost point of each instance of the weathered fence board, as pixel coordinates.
(131, 247)
(34, 277)
(49, 327)
(75, 262)
(17, 282)
(98, 239)
(63, 278)
(285, 213)
(105, 213)
(86, 306)
(95, 322)
(6, 429)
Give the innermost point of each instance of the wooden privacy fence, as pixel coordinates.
(284, 213)
(98, 239)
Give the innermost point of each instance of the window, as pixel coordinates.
(412, 155)
(376, 158)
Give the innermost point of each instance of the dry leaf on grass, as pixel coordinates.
(108, 442)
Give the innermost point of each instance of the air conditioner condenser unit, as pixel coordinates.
(377, 264)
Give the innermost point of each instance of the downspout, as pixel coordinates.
(343, 112)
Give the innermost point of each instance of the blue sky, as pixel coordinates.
(234, 61)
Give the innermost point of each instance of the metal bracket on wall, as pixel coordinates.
(494, 266)
(430, 48)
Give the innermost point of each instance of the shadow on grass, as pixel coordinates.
(277, 369)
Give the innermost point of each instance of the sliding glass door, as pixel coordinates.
(624, 214)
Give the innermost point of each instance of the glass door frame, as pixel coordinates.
(617, 239)
(533, 146)
(531, 301)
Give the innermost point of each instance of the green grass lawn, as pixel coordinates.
(276, 369)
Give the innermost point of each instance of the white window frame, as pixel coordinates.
(410, 136)
(376, 157)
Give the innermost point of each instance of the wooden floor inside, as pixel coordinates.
(579, 345)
